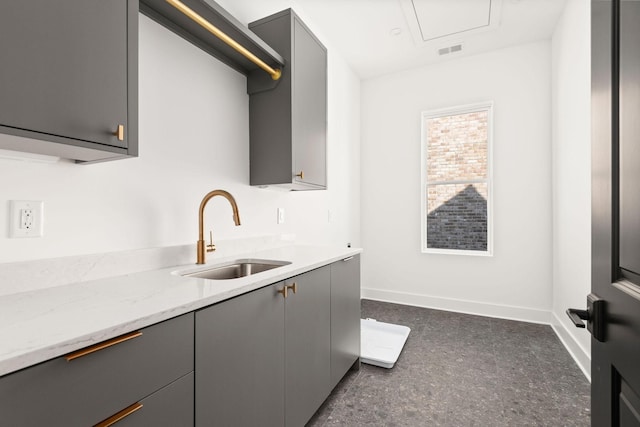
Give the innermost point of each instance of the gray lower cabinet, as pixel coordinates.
(240, 361)
(68, 81)
(345, 316)
(91, 388)
(263, 359)
(269, 357)
(288, 124)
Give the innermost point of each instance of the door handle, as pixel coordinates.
(594, 316)
(577, 316)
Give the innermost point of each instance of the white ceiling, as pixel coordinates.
(362, 30)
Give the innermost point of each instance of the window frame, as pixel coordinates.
(444, 112)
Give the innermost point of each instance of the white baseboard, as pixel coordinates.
(461, 306)
(579, 354)
(524, 314)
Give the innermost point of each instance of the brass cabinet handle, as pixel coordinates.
(120, 133)
(102, 345)
(293, 287)
(300, 175)
(283, 291)
(120, 415)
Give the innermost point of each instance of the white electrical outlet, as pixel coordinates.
(280, 215)
(26, 218)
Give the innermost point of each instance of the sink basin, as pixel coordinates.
(235, 269)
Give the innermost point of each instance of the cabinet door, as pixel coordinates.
(309, 109)
(288, 124)
(64, 68)
(307, 342)
(345, 316)
(240, 361)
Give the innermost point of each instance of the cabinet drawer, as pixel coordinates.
(171, 406)
(93, 387)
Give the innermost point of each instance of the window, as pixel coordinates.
(456, 180)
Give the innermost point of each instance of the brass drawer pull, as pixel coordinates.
(283, 291)
(293, 287)
(120, 415)
(300, 175)
(120, 133)
(102, 345)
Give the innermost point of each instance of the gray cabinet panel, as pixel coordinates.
(345, 316)
(307, 341)
(240, 361)
(91, 388)
(287, 124)
(270, 156)
(69, 73)
(171, 406)
(309, 111)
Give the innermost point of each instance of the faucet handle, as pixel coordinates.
(211, 247)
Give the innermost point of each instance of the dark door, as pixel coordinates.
(64, 68)
(615, 363)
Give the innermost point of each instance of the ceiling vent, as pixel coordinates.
(450, 49)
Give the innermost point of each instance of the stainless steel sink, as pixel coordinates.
(235, 269)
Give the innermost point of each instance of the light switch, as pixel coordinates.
(280, 215)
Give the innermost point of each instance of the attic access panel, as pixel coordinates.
(441, 20)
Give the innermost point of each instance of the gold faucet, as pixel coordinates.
(236, 219)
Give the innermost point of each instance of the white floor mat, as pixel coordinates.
(381, 343)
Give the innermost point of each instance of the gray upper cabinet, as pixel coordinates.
(68, 81)
(288, 124)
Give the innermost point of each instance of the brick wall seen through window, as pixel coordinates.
(456, 174)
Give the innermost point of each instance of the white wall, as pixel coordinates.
(194, 137)
(516, 282)
(571, 66)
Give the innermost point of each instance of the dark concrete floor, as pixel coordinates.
(462, 370)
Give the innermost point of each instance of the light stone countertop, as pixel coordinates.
(39, 325)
